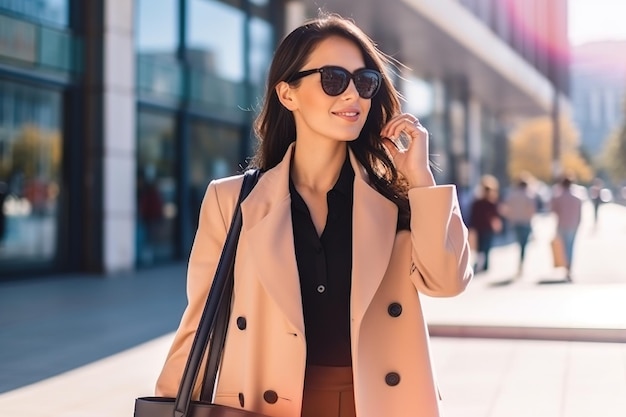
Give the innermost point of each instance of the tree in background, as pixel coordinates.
(530, 151)
(36, 152)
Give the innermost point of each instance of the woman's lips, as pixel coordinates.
(347, 115)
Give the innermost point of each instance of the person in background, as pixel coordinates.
(150, 210)
(595, 192)
(326, 318)
(567, 207)
(519, 208)
(485, 220)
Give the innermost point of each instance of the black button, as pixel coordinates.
(241, 399)
(392, 379)
(321, 288)
(241, 323)
(318, 249)
(270, 396)
(394, 309)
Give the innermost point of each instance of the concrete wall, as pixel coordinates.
(119, 127)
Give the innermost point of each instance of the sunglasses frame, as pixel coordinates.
(351, 76)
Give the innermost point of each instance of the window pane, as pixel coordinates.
(56, 49)
(31, 157)
(214, 153)
(216, 47)
(157, 193)
(215, 52)
(157, 26)
(261, 49)
(158, 71)
(52, 11)
(18, 39)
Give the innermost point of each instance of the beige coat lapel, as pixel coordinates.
(374, 230)
(268, 232)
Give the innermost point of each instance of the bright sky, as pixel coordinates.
(593, 20)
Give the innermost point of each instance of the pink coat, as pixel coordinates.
(268, 354)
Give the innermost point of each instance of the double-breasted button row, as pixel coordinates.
(393, 378)
(269, 396)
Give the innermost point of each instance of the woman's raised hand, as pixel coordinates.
(411, 161)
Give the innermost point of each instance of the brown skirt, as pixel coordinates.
(328, 392)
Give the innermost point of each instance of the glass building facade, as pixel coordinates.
(197, 81)
(39, 67)
(199, 86)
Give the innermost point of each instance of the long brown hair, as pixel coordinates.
(275, 125)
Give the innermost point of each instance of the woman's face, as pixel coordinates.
(319, 116)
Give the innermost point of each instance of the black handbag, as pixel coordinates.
(213, 325)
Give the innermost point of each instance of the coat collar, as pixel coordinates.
(268, 230)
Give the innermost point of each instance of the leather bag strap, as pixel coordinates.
(216, 309)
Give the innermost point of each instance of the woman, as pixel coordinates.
(567, 206)
(485, 219)
(519, 209)
(326, 319)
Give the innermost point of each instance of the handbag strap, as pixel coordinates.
(216, 342)
(221, 282)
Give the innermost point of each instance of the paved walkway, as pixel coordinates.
(541, 304)
(86, 346)
(477, 378)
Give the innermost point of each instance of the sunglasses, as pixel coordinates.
(335, 80)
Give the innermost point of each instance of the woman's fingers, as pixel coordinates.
(396, 124)
(406, 123)
(409, 153)
(404, 130)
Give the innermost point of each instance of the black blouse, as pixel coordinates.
(325, 268)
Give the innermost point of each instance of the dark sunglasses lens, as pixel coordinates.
(335, 81)
(367, 83)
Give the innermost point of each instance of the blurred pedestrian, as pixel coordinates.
(595, 192)
(150, 210)
(567, 206)
(326, 319)
(519, 208)
(485, 220)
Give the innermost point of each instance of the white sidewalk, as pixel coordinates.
(105, 388)
(477, 378)
(522, 378)
(539, 304)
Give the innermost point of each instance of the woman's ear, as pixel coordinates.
(284, 93)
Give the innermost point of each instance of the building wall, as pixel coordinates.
(536, 29)
(119, 130)
(120, 142)
(199, 86)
